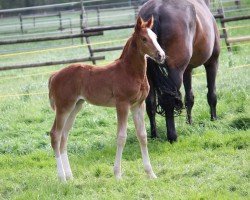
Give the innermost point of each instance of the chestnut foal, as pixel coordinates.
(122, 84)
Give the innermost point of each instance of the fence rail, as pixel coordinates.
(51, 63)
(68, 36)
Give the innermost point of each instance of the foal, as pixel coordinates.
(122, 84)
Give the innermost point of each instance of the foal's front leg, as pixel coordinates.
(138, 117)
(122, 110)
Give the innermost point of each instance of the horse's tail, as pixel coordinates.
(51, 99)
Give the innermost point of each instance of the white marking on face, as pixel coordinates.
(153, 37)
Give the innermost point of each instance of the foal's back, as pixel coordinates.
(100, 86)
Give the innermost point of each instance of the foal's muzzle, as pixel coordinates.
(160, 57)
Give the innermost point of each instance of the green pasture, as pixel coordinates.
(210, 160)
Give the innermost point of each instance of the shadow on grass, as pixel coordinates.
(241, 123)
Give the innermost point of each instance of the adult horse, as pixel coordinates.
(187, 32)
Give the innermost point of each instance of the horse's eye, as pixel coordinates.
(144, 39)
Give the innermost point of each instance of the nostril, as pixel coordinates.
(159, 55)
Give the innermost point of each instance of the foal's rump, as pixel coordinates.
(64, 85)
(80, 81)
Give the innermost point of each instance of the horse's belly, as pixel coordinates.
(203, 46)
(200, 56)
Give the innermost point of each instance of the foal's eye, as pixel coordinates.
(144, 39)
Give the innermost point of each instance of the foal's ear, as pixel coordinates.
(150, 22)
(139, 24)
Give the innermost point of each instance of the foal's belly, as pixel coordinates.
(110, 98)
(100, 97)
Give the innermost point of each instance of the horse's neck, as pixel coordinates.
(133, 60)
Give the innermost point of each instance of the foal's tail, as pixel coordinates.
(51, 99)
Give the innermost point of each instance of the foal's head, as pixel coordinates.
(147, 40)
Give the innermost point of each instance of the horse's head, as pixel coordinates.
(147, 40)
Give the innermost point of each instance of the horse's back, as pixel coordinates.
(185, 24)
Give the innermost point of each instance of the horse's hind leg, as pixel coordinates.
(189, 96)
(63, 147)
(211, 71)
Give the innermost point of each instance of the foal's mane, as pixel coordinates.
(126, 47)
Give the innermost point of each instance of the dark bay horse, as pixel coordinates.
(123, 84)
(187, 32)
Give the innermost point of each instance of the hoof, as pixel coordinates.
(62, 179)
(189, 121)
(172, 138)
(154, 135)
(118, 177)
(213, 118)
(69, 177)
(152, 176)
(118, 174)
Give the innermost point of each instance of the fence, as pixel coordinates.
(220, 11)
(86, 32)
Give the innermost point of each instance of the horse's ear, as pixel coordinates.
(139, 24)
(150, 22)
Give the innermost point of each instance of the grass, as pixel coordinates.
(209, 161)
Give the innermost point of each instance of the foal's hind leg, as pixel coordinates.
(211, 71)
(56, 135)
(138, 117)
(63, 147)
(189, 96)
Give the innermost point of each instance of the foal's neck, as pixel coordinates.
(134, 60)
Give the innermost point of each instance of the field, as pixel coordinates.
(210, 160)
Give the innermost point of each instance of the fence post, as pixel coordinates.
(34, 21)
(98, 16)
(84, 25)
(223, 25)
(71, 31)
(237, 3)
(60, 21)
(21, 22)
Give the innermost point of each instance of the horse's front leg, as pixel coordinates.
(138, 117)
(122, 109)
(151, 99)
(172, 102)
(171, 131)
(151, 111)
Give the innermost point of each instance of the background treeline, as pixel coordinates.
(6, 4)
